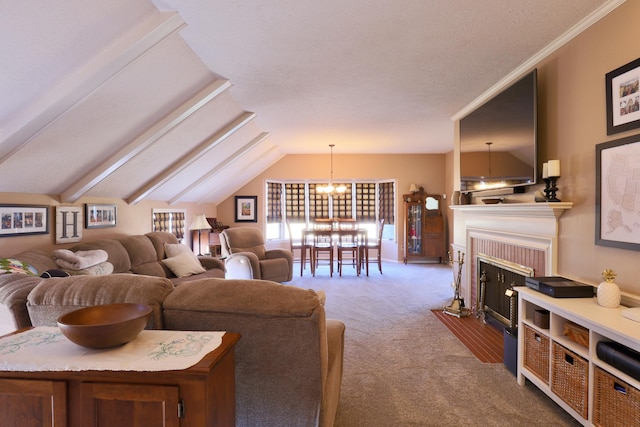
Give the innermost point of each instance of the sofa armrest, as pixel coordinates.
(255, 263)
(14, 289)
(209, 262)
(284, 375)
(279, 253)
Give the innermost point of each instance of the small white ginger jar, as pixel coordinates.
(608, 292)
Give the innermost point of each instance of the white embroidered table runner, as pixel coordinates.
(47, 349)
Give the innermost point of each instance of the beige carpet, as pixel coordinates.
(403, 367)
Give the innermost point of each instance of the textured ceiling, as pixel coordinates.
(139, 99)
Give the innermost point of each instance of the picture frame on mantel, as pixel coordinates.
(246, 209)
(616, 200)
(622, 87)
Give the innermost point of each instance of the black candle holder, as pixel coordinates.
(550, 189)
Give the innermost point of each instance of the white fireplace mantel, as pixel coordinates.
(517, 209)
(529, 225)
(538, 219)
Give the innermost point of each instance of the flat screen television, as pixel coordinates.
(498, 140)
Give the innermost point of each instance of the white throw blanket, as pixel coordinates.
(79, 260)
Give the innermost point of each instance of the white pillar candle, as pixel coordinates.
(545, 170)
(554, 168)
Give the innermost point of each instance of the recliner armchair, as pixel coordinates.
(272, 264)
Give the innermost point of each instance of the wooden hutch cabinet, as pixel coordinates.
(423, 227)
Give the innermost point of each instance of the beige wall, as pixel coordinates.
(131, 219)
(428, 170)
(572, 120)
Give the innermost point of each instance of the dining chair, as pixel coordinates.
(299, 245)
(376, 246)
(348, 248)
(322, 248)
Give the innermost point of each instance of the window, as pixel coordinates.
(366, 202)
(169, 220)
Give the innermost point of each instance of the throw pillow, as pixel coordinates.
(175, 249)
(184, 265)
(14, 266)
(54, 273)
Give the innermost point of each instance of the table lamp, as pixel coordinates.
(200, 223)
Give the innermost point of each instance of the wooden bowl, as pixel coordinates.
(105, 326)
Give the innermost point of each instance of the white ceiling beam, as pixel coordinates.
(79, 85)
(227, 161)
(191, 157)
(222, 192)
(145, 140)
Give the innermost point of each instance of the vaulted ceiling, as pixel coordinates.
(185, 101)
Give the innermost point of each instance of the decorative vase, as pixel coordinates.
(608, 292)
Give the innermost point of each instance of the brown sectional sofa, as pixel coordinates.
(288, 361)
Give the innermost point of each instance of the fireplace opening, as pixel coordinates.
(497, 302)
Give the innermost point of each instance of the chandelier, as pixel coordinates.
(330, 189)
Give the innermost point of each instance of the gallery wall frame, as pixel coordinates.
(617, 172)
(99, 215)
(246, 209)
(622, 87)
(20, 220)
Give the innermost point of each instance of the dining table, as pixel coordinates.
(312, 234)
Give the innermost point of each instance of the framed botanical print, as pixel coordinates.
(246, 209)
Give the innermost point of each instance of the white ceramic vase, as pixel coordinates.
(608, 295)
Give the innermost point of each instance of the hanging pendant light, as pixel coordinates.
(330, 189)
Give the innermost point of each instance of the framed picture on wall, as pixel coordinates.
(99, 216)
(19, 220)
(246, 209)
(623, 98)
(617, 200)
(68, 224)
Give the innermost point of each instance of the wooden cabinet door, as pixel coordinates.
(33, 403)
(131, 405)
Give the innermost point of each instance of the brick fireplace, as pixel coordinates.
(521, 233)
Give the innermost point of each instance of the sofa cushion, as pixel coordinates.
(212, 273)
(53, 297)
(159, 239)
(118, 255)
(143, 256)
(184, 265)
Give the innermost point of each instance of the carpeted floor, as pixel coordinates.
(483, 340)
(403, 367)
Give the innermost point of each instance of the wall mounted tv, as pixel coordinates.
(498, 140)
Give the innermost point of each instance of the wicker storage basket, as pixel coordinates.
(570, 378)
(615, 403)
(536, 353)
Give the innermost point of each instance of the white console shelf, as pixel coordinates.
(603, 324)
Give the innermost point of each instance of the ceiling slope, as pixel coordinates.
(140, 118)
(167, 100)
